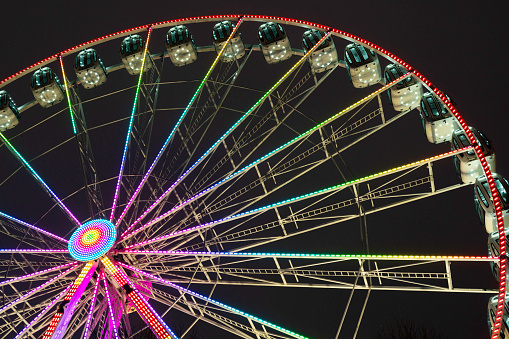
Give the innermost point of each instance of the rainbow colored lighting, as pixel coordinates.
(39, 179)
(217, 303)
(79, 280)
(317, 256)
(29, 250)
(92, 240)
(184, 175)
(68, 95)
(254, 163)
(135, 194)
(128, 137)
(21, 222)
(292, 200)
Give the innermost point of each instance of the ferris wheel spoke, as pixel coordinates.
(179, 121)
(218, 304)
(20, 222)
(215, 145)
(129, 129)
(87, 162)
(295, 199)
(110, 308)
(91, 309)
(36, 274)
(35, 290)
(39, 180)
(209, 315)
(294, 141)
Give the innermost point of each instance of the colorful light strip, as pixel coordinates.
(217, 303)
(17, 250)
(53, 325)
(131, 121)
(31, 275)
(43, 312)
(184, 175)
(79, 280)
(37, 289)
(92, 240)
(92, 304)
(67, 88)
(110, 306)
(142, 306)
(315, 256)
(280, 148)
(292, 200)
(188, 107)
(21, 222)
(39, 179)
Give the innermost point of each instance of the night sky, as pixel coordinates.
(460, 46)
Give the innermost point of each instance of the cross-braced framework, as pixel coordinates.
(202, 189)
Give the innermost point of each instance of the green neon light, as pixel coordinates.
(68, 95)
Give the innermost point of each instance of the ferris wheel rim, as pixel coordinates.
(334, 32)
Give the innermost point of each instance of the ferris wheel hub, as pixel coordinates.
(92, 240)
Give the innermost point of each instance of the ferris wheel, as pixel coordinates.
(223, 164)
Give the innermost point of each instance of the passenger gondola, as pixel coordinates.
(325, 56)
(46, 87)
(90, 69)
(274, 43)
(220, 34)
(437, 121)
(484, 204)
(9, 113)
(180, 45)
(406, 94)
(362, 65)
(131, 52)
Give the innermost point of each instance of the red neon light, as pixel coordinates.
(53, 325)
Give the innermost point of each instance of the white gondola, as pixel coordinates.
(235, 49)
(180, 45)
(274, 42)
(325, 56)
(131, 52)
(362, 65)
(405, 94)
(468, 167)
(494, 250)
(46, 87)
(90, 69)
(438, 122)
(484, 203)
(9, 113)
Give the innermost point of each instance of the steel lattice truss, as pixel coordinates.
(216, 205)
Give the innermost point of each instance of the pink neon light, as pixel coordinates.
(92, 304)
(37, 273)
(110, 307)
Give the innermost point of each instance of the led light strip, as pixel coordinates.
(292, 200)
(35, 290)
(280, 148)
(315, 256)
(31, 275)
(39, 179)
(79, 280)
(21, 222)
(131, 121)
(31, 251)
(53, 325)
(110, 306)
(43, 312)
(184, 175)
(68, 94)
(135, 194)
(91, 310)
(217, 303)
(142, 306)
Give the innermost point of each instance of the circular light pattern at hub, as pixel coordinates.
(92, 240)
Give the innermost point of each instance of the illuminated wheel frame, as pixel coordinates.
(80, 298)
